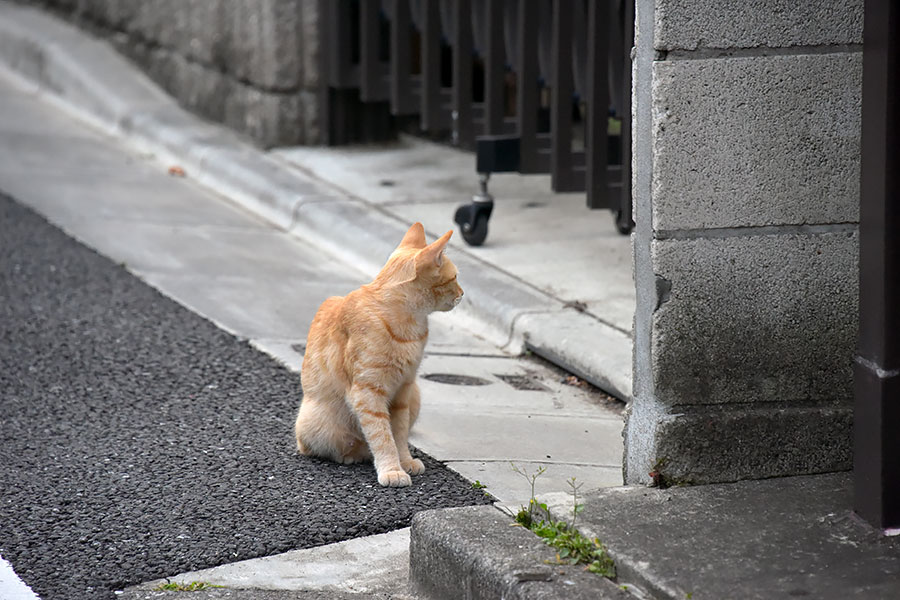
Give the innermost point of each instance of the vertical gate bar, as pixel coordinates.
(876, 450)
(370, 75)
(625, 202)
(402, 97)
(324, 63)
(597, 102)
(463, 129)
(341, 74)
(494, 72)
(526, 86)
(339, 44)
(561, 164)
(431, 66)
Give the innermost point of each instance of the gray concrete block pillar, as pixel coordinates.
(746, 185)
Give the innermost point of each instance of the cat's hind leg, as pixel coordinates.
(354, 451)
(326, 429)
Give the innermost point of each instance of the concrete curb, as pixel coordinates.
(89, 79)
(476, 553)
(781, 537)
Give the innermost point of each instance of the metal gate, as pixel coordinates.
(534, 86)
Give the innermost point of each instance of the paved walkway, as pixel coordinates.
(550, 241)
(554, 278)
(789, 537)
(259, 272)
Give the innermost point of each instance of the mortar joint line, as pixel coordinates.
(753, 230)
(761, 51)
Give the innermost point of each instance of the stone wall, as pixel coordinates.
(746, 137)
(250, 64)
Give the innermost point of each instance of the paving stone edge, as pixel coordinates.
(477, 553)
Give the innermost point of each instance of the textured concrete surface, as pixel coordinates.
(476, 554)
(271, 117)
(746, 182)
(765, 324)
(515, 491)
(698, 24)
(588, 348)
(266, 42)
(769, 440)
(252, 65)
(766, 318)
(372, 565)
(775, 538)
(754, 141)
(639, 452)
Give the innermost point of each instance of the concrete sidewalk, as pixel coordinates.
(174, 240)
(263, 285)
(259, 253)
(792, 537)
(554, 278)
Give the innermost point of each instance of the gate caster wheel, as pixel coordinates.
(473, 218)
(473, 221)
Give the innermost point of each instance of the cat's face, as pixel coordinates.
(447, 291)
(425, 270)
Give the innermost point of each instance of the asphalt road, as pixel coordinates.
(137, 440)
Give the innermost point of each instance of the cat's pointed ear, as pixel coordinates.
(433, 254)
(405, 274)
(414, 238)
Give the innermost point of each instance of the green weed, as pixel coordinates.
(572, 547)
(194, 586)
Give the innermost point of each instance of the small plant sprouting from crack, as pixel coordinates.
(657, 477)
(572, 547)
(526, 516)
(662, 479)
(194, 586)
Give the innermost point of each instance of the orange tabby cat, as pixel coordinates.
(359, 372)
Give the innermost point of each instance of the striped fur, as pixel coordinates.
(359, 373)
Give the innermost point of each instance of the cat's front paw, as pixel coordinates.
(394, 479)
(413, 466)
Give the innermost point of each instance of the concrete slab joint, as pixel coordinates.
(746, 187)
